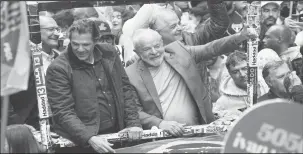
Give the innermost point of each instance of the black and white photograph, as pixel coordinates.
(161, 76)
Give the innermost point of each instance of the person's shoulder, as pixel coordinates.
(106, 48)
(263, 98)
(61, 62)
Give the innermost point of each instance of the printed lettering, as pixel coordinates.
(239, 140)
(38, 77)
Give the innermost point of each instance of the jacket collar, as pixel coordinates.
(98, 55)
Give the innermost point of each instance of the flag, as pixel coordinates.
(15, 55)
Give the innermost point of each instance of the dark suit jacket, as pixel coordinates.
(183, 59)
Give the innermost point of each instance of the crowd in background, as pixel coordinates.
(183, 56)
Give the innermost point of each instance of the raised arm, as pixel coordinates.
(220, 46)
(214, 28)
(60, 97)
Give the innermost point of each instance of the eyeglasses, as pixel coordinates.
(53, 29)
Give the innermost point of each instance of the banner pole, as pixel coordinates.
(253, 21)
(4, 118)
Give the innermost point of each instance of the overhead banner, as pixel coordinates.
(15, 56)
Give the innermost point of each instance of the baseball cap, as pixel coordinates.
(263, 3)
(104, 28)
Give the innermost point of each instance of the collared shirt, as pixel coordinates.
(175, 97)
(46, 58)
(108, 117)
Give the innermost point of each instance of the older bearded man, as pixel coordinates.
(168, 82)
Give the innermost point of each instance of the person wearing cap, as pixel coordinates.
(90, 93)
(270, 13)
(106, 36)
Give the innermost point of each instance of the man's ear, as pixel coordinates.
(268, 81)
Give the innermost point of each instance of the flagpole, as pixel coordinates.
(4, 118)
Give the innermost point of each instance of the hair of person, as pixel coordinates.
(140, 34)
(21, 140)
(271, 66)
(161, 16)
(64, 18)
(235, 58)
(83, 26)
(126, 13)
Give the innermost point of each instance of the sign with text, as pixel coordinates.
(273, 126)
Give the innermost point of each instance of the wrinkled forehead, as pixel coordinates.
(280, 71)
(46, 22)
(149, 40)
(165, 17)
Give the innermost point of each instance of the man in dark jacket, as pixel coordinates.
(89, 91)
(282, 82)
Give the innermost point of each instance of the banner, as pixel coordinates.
(15, 56)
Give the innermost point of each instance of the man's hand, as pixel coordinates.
(249, 33)
(101, 145)
(172, 127)
(291, 80)
(134, 133)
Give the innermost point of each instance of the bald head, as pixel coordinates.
(46, 22)
(281, 31)
(278, 38)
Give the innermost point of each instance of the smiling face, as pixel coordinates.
(49, 31)
(150, 49)
(82, 45)
(117, 20)
(169, 27)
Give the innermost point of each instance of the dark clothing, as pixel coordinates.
(73, 95)
(267, 96)
(296, 94)
(104, 96)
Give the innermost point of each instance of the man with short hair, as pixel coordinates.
(171, 92)
(270, 13)
(89, 91)
(279, 39)
(234, 89)
(276, 74)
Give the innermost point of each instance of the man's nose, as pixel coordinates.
(154, 51)
(81, 48)
(243, 73)
(56, 32)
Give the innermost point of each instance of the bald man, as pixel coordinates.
(24, 106)
(279, 38)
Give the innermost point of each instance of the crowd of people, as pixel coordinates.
(129, 68)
